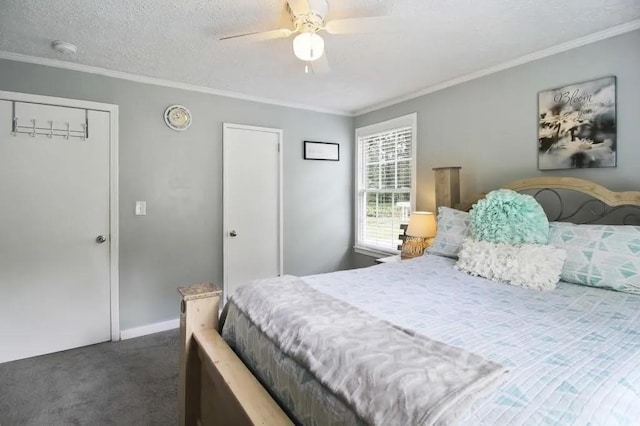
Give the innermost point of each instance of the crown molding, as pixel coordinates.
(19, 57)
(563, 47)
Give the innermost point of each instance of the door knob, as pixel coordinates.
(100, 239)
(233, 233)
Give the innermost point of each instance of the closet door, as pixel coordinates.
(252, 204)
(54, 229)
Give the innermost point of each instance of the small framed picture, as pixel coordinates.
(321, 151)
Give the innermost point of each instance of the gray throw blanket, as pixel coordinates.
(387, 375)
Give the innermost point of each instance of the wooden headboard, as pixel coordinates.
(568, 199)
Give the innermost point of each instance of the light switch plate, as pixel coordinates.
(141, 208)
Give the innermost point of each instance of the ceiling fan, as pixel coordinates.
(308, 17)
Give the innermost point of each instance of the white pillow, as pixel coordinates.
(531, 266)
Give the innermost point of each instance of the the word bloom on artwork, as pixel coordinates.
(577, 125)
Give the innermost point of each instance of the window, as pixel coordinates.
(385, 182)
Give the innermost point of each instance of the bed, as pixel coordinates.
(571, 355)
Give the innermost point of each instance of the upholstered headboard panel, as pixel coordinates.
(567, 199)
(581, 201)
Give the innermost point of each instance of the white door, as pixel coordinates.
(54, 206)
(252, 204)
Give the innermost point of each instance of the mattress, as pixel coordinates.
(574, 353)
(303, 398)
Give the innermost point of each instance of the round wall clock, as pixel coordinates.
(177, 117)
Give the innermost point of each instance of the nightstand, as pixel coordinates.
(389, 259)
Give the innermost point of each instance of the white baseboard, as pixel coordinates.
(149, 329)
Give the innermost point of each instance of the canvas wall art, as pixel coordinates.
(577, 126)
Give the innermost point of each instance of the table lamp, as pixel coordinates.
(420, 233)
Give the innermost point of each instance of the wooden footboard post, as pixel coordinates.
(198, 310)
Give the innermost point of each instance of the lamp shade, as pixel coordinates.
(308, 46)
(422, 224)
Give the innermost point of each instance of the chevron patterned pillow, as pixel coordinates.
(604, 256)
(453, 226)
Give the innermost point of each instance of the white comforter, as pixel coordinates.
(574, 353)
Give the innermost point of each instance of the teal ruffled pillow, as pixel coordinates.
(508, 217)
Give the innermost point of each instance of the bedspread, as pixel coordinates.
(573, 353)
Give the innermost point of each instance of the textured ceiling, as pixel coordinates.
(177, 40)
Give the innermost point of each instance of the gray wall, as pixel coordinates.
(489, 125)
(179, 174)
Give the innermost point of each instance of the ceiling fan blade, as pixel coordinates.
(321, 65)
(299, 7)
(374, 24)
(259, 36)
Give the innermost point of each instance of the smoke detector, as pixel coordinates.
(64, 47)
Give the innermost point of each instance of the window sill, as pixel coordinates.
(373, 252)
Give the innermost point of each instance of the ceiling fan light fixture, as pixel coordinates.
(308, 46)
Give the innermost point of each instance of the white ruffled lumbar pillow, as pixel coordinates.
(531, 266)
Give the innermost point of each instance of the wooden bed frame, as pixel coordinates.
(216, 388)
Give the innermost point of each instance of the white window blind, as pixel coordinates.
(385, 185)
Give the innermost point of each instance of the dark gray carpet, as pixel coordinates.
(132, 382)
